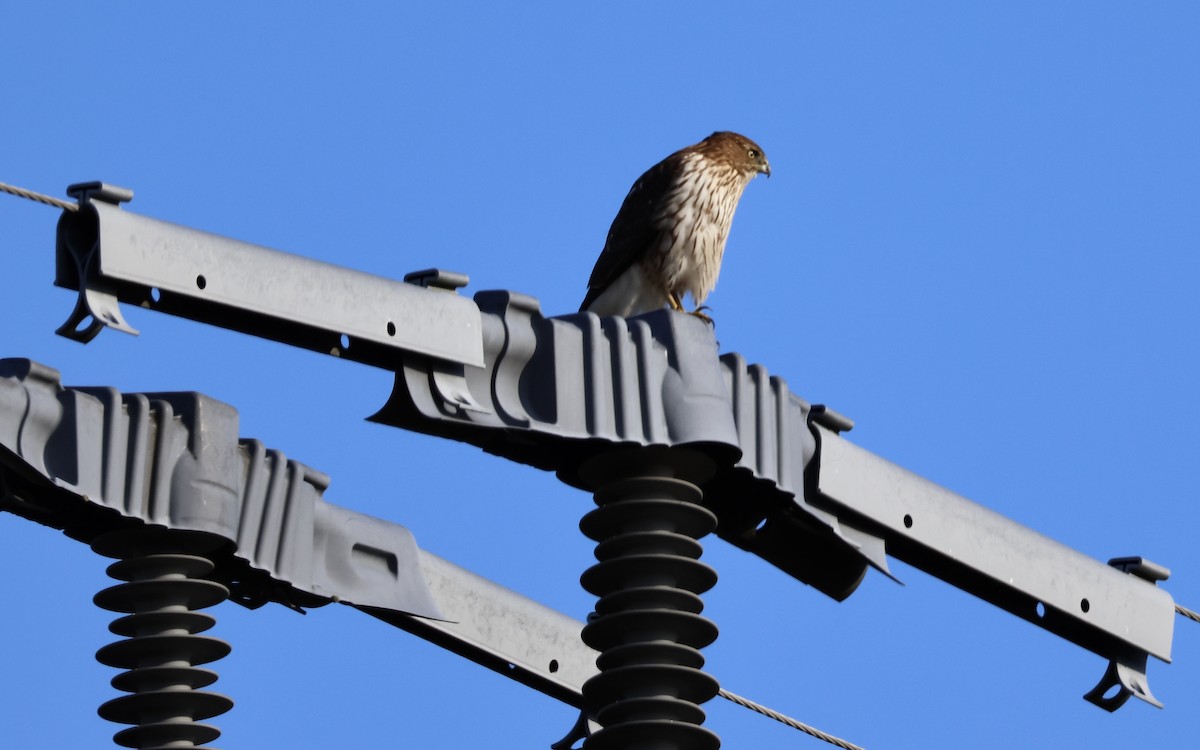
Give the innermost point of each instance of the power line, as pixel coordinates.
(39, 197)
(1191, 615)
(747, 703)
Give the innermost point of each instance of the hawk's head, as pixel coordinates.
(738, 151)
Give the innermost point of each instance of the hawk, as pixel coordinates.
(669, 236)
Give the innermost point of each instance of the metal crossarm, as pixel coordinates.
(1120, 615)
(109, 254)
(75, 458)
(556, 392)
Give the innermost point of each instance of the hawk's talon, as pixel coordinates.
(699, 313)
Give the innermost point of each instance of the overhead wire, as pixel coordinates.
(789, 721)
(49, 200)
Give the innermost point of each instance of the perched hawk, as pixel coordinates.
(670, 233)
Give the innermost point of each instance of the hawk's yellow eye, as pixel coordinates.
(753, 154)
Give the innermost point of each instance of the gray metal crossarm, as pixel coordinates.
(501, 630)
(1121, 616)
(78, 459)
(111, 255)
(73, 459)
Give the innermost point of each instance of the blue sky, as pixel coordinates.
(980, 241)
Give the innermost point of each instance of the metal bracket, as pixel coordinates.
(100, 191)
(1129, 679)
(583, 728)
(437, 278)
(1127, 673)
(97, 306)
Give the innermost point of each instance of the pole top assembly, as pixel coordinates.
(553, 392)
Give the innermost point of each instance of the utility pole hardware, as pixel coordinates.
(674, 440)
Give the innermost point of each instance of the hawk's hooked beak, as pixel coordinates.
(765, 169)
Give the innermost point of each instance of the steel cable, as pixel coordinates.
(39, 197)
(747, 703)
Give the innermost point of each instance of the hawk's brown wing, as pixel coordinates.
(634, 231)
